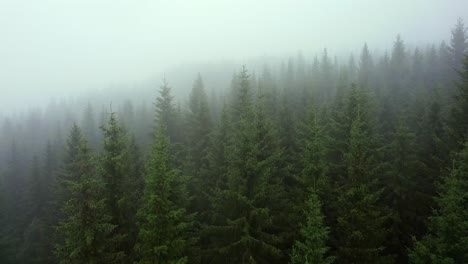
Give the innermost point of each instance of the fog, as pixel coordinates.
(55, 48)
(157, 131)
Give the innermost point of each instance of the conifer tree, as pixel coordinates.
(365, 66)
(15, 217)
(269, 166)
(360, 222)
(240, 232)
(85, 228)
(447, 240)
(114, 172)
(70, 168)
(399, 72)
(166, 111)
(90, 128)
(162, 220)
(199, 129)
(34, 246)
(314, 153)
(432, 161)
(311, 247)
(199, 123)
(133, 193)
(458, 123)
(401, 194)
(217, 153)
(458, 45)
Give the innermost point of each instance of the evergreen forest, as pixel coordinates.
(322, 159)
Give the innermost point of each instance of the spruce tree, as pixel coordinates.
(133, 193)
(314, 153)
(365, 67)
(84, 231)
(162, 220)
(401, 193)
(90, 128)
(15, 210)
(114, 171)
(34, 246)
(240, 233)
(166, 111)
(311, 247)
(447, 240)
(199, 129)
(458, 45)
(458, 122)
(360, 223)
(432, 161)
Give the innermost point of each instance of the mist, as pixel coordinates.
(227, 132)
(53, 49)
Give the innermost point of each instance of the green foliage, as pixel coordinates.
(312, 245)
(296, 165)
(458, 44)
(360, 223)
(166, 112)
(447, 240)
(162, 220)
(458, 123)
(401, 192)
(199, 124)
(114, 170)
(85, 230)
(243, 221)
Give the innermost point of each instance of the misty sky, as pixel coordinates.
(57, 47)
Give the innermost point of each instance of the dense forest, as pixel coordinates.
(315, 160)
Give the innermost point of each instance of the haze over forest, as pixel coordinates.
(230, 132)
(57, 49)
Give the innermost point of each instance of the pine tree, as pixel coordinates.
(217, 153)
(162, 221)
(85, 228)
(458, 123)
(269, 167)
(37, 246)
(447, 240)
(70, 170)
(432, 161)
(216, 179)
(314, 153)
(315, 174)
(240, 233)
(399, 72)
(14, 212)
(166, 111)
(360, 223)
(35, 239)
(401, 194)
(200, 122)
(114, 171)
(89, 125)
(365, 67)
(326, 75)
(199, 129)
(458, 45)
(312, 245)
(288, 136)
(133, 193)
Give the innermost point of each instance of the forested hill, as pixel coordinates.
(310, 161)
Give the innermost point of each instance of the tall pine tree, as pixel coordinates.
(162, 220)
(447, 240)
(85, 227)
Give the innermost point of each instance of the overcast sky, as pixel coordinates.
(57, 47)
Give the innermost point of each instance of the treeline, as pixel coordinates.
(319, 162)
